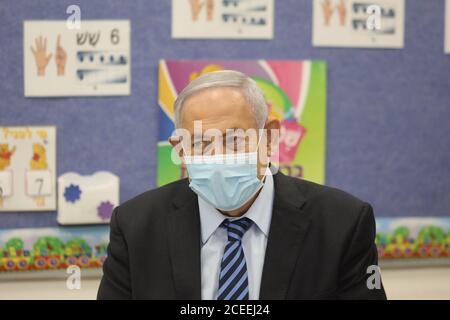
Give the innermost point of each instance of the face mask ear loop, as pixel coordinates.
(261, 131)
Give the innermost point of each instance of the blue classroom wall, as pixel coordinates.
(388, 121)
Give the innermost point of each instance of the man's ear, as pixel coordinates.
(177, 145)
(272, 128)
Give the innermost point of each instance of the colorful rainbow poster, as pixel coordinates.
(296, 94)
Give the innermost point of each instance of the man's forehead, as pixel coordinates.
(227, 132)
(215, 93)
(216, 104)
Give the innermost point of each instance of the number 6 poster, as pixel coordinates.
(27, 168)
(91, 61)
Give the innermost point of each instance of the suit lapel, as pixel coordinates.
(184, 244)
(288, 228)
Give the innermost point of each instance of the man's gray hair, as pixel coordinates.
(226, 78)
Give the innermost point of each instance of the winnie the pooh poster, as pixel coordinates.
(27, 168)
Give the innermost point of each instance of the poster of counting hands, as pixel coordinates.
(91, 61)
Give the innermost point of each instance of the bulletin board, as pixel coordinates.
(388, 111)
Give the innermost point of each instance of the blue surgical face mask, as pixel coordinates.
(226, 181)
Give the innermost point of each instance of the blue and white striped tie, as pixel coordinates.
(233, 278)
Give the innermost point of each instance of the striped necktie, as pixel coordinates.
(233, 278)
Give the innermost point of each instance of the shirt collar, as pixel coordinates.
(260, 211)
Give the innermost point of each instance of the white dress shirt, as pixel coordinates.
(254, 241)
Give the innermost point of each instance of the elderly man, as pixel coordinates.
(237, 229)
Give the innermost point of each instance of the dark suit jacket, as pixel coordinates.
(320, 243)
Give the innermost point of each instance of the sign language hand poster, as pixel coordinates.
(222, 19)
(91, 61)
(27, 168)
(359, 23)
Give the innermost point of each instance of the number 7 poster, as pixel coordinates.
(27, 168)
(295, 91)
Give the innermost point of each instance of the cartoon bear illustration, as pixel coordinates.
(5, 155)
(39, 159)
